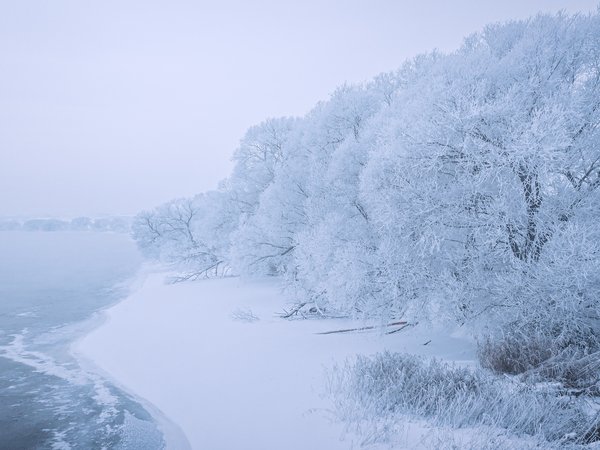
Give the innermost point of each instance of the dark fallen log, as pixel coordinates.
(372, 327)
(399, 329)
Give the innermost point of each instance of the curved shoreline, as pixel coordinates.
(218, 378)
(224, 382)
(173, 436)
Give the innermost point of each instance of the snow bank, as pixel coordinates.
(197, 352)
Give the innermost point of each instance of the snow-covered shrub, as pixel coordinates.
(395, 387)
(244, 315)
(482, 438)
(515, 351)
(549, 354)
(551, 327)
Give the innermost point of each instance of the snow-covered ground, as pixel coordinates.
(230, 383)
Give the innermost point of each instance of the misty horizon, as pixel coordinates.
(111, 109)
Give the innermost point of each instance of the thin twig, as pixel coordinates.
(347, 330)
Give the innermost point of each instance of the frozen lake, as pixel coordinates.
(51, 284)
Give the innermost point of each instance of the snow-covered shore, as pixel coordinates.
(231, 383)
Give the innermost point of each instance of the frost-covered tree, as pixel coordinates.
(490, 154)
(339, 263)
(334, 256)
(190, 234)
(266, 241)
(261, 162)
(485, 192)
(256, 160)
(464, 186)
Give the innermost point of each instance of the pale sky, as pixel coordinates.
(113, 106)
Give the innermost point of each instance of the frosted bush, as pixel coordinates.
(395, 388)
(244, 315)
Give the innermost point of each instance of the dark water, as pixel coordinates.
(50, 285)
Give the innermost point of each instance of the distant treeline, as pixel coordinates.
(117, 224)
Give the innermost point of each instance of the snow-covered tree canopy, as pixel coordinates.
(466, 184)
